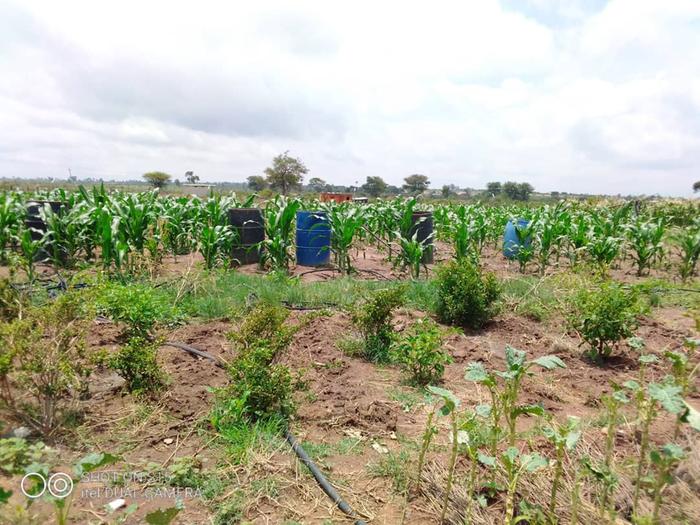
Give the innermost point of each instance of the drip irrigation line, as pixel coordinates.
(301, 305)
(289, 437)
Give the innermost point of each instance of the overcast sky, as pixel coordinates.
(570, 95)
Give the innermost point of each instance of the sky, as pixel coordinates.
(589, 96)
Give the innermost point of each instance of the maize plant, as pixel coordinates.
(411, 249)
(645, 239)
(11, 217)
(345, 221)
(279, 215)
(687, 242)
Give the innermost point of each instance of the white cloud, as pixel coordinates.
(571, 95)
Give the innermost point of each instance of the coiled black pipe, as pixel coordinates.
(296, 447)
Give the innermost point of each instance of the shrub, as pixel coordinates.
(43, 364)
(264, 389)
(259, 389)
(419, 352)
(263, 325)
(373, 319)
(137, 305)
(10, 302)
(136, 362)
(604, 316)
(466, 297)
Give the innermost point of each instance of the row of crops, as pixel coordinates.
(121, 231)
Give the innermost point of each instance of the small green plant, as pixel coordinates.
(684, 369)
(232, 511)
(472, 435)
(419, 352)
(466, 296)
(605, 316)
(649, 400)
(373, 319)
(604, 472)
(17, 453)
(137, 363)
(564, 437)
(139, 306)
(514, 465)
(663, 461)
(505, 398)
(395, 466)
(450, 404)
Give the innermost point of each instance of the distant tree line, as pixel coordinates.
(513, 190)
(286, 174)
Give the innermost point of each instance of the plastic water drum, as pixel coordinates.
(511, 244)
(423, 226)
(313, 238)
(250, 231)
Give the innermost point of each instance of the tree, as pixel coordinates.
(286, 172)
(696, 186)
(157, 179)
(518, 192)
(416, 183)
(317, 184)
(524, 191)
(257, 182)
(374, 186)
(191, 177)
(494, 188)
(446, 190)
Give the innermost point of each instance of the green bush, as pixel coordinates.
(419, 352)
(604, 316)
(43, 366)
(139, 306)
(10, 302)
(264, 325)
(373, 319)
(259, 389)
(136, 362)
(263, 389)
(466, 297)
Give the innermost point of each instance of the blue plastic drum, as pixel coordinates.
(511, 243)
(313, 238)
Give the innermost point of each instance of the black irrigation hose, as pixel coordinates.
(296, 447)
(320, 478)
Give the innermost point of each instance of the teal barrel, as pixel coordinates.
(511, 244)
(249, 228)
(313, 238)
